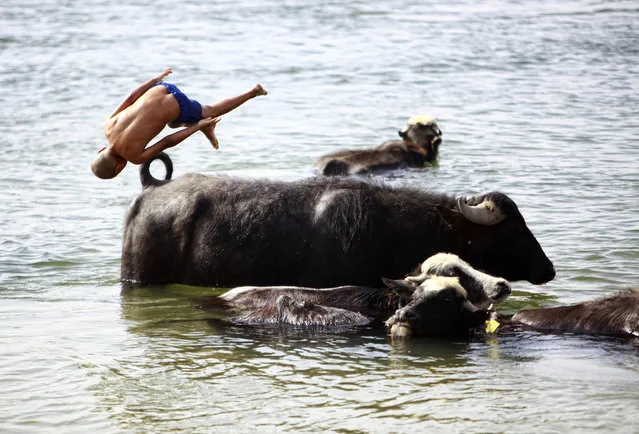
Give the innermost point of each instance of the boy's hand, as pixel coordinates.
(207, 126)
(166, 72)
(208, 122)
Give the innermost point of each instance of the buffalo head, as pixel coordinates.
(423, 132)
(498, 241)
(439, 307)
(482, 289)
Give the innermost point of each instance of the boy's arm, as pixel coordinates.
(139, 91)
(172, 140)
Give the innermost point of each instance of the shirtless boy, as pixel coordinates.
(145, 113)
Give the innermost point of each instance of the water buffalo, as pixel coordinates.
(420, 142)
(357, 305)
(443, 310)
(482, 290)
(616, 315)
(435, 305)
(317, 232)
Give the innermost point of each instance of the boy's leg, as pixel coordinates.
(226, 105)
(220, 108)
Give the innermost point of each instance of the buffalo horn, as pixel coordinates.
(470, 307)
(418, 279)
(486, 213)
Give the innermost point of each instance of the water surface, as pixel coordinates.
(538, 100)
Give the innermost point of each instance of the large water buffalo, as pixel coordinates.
(318, 232)
(420, 142)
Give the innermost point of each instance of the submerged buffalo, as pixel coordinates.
(443, 308)
(355, 305)
(318, 232)
(420, 142)
(615, 315)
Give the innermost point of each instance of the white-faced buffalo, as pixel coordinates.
(424, 304)
(616, 315)
(317, 232)
(436, 307)
(332, 306)
(420, 142)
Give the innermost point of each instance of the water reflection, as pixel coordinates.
(177, 339)
(190, 369)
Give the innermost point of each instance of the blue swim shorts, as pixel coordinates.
(190, 109)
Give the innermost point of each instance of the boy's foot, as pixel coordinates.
(259, 90)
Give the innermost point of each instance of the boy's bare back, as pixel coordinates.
(131, 130)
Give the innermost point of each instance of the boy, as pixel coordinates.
(145, 113)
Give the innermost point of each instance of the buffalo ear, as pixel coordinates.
(449, 216)
(403, 133)
(401, 287)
